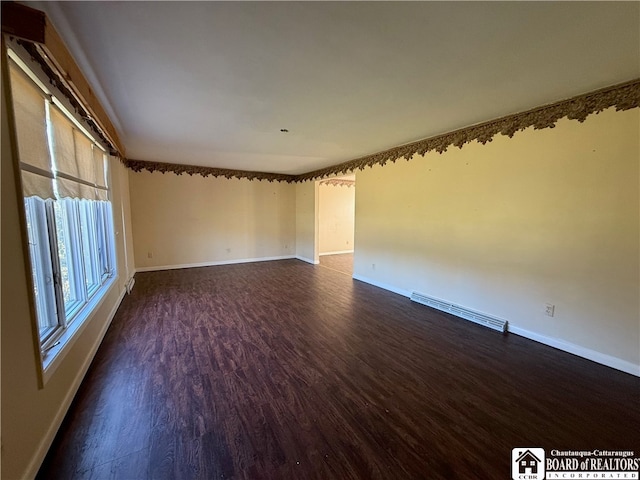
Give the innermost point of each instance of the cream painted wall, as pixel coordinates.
(122, 221)
(307, 221)
(191, 220)
(336, 218)
(550, 216)
(32, 415)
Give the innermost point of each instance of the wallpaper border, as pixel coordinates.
(179, 169)
(624, 96)
(338, 182)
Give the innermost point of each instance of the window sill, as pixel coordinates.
(52, 359)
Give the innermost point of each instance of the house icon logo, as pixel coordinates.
(527, 464)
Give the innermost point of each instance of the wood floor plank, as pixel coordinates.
(283, 370)
(341, 262)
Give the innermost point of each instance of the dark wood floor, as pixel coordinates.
(283, 370)
(340, 262)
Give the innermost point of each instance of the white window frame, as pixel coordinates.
(90, 246)
(71, 234)
(42, 267)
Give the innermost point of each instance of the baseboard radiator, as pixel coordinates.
(130, 284)
(462, 312)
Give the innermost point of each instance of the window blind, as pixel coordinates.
(79, 162)
(99, 159)
(31, 131)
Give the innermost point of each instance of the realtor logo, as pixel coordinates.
(527, 464)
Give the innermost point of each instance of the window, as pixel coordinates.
(67, 209)
(41, 265)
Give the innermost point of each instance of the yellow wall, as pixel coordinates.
(184, 220)
(335, 218)
(550, 216)
(31, 416)
(307, 221)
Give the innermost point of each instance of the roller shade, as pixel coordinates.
(29, 105)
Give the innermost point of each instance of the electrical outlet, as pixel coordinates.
(549, 310)
(373, 266)
(149, 255)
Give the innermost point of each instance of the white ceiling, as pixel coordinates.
(212, 83)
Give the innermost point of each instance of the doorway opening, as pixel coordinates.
(336, 223)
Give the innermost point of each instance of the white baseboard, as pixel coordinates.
(339, 252)
(598, 357)
(375, 283)
(47, 440)
(212, 264)
(308, 260)
(580, 351)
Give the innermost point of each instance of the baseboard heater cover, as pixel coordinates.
(462, 312)
(130, 284)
